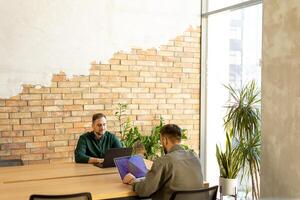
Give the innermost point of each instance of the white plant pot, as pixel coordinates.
(228, 186)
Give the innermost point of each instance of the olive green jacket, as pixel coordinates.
(178, 170)
(88, 146)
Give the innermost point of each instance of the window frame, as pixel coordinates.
(203, 80)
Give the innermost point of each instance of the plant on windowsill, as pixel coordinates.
(230, 163)
(243, 122)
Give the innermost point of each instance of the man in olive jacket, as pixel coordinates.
(177, 170)
(92, 146)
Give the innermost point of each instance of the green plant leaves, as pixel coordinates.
(230, 161)
(130, 134)
(242, 121)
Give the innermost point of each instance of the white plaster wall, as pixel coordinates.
(42, 37)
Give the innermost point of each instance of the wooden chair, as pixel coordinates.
(78, 196)
(201, 194)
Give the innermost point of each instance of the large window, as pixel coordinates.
(231, 55)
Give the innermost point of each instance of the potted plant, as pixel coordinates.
(147, 145)
(230, 163)
(243, 120)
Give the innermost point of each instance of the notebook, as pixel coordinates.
(131, 164)
(111, 154)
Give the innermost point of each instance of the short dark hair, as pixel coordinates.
(98, 116)
(171, 131)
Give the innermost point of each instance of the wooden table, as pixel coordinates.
(19, 182)
(50, 171)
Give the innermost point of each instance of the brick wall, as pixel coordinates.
(42, 124)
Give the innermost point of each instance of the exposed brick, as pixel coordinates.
(60, 137)
(61, 114)
(52, 96)
(31, 96)
(13, 146)
(146, 63)
(55, 131)
(3, 115)
(40, 102)
(15, 103)
(100, 90)
(63, 125)
(72, 119)
(38, 162)
(89, 84)
(9, 109)
(71, 96)
(114, 61)
(22, 127)
(30, 145)
(56, 155)
(73, 107)
(68, 84)
(39, 90)
(20, 152)
(2, 102)
(93, 107)
(31, 121)
(57, 143)
(51, 120)
(164, 82)
(80, 90)
(79, 78)
(34, 133)
(91, 96)
(31, 109)
(9, 121)
(4, 140)
(82, 124)
(32, 157)
(5, 152)
(60, 90)
(41, 114)
(43, 126)
(74, 130)
(44, 138)
(42, 150)
(82, 113)
(22, 139)
(120, 56)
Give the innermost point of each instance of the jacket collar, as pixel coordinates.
(176, 147)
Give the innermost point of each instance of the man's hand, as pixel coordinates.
(95, 160)
(129, 179)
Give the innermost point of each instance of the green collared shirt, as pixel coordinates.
(88, 146)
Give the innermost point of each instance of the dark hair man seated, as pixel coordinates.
(177, 170)
(92, 146)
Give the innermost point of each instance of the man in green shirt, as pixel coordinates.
(92, 146)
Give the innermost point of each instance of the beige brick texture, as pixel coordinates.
(43, 124)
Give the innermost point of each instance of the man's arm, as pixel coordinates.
(152, 182)
(80, 153)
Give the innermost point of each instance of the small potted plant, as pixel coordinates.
(230, 163)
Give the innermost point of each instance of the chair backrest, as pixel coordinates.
(201, 194)
(12, 162)
(78, 196)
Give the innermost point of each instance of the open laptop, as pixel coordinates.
(111, 154)
(131, 164)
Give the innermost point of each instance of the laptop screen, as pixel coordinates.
(114, 153)
(131, 164)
